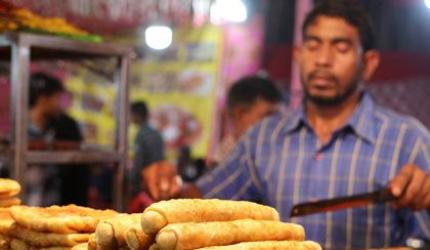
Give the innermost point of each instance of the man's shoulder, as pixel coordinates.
(275, 123)
(148, 131)
(395, 121)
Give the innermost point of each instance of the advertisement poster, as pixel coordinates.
(178, 84)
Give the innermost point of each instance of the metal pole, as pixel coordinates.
(20, 57)
(121, 79)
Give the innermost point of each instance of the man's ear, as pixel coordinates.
(371, 63)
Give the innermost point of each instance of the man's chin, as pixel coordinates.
(325, 100)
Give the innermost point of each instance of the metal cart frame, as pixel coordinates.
(20, 48)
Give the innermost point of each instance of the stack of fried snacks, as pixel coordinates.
(269, 245)
(6, 222)
(193, 224)
(9, 189)
(113, 233)
(54, 227)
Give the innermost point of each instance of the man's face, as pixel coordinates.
(135, 119)
(51, 104)
(331, 60)
(244, 118)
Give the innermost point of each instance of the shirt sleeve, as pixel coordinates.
(419, 222)
(234, 179)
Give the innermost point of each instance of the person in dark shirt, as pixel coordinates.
(51, 128)
(74, 178)
(149, 149)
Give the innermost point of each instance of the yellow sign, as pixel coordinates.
(178, 84)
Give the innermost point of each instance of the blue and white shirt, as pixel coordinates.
(281, 162)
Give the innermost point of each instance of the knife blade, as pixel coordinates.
(340, 203)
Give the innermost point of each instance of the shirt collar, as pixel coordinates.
(297, 119)
(361, 121)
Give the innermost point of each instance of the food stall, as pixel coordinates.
(56, 40)
(30, 38)
(183, 70)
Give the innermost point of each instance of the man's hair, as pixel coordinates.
(352, 11)
(42, 84)
(140, 108)
(246, 91)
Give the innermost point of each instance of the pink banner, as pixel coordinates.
(302, 8)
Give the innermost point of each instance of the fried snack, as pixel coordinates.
(158, 215)
(56, 219)
(10, 202)
(6, 221)
(269, 245)
(17, 244)
(9, 187)
(83, 246)
(28, 19)
(92, 245)
(38, 239)
(4, 241)
(110, 233)
(206, 234)
(137, 240)
(6, 196)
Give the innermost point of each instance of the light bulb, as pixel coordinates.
(228, 10)
(158, 37)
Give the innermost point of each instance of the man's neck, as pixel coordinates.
(327, 119)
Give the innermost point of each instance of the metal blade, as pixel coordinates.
(340, 203)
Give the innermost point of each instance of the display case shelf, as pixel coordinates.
(20, 49)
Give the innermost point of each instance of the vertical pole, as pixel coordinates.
(302, 8)
(121, 79)
(20, 62)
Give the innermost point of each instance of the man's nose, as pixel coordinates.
(324, 57)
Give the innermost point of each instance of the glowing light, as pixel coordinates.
(158, 37)
(229, 11)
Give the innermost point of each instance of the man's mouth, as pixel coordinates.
(322, 81)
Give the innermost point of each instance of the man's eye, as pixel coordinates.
(312, 44)
(343, 47)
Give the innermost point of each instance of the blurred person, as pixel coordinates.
(249, 100)
(75, 178)
(339, 143)
(51, 127)
(149, 149)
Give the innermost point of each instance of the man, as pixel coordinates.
(149, 149)
(339, 143)
(249, 100)
(51, 127)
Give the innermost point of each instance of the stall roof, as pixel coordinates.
(53, 47)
